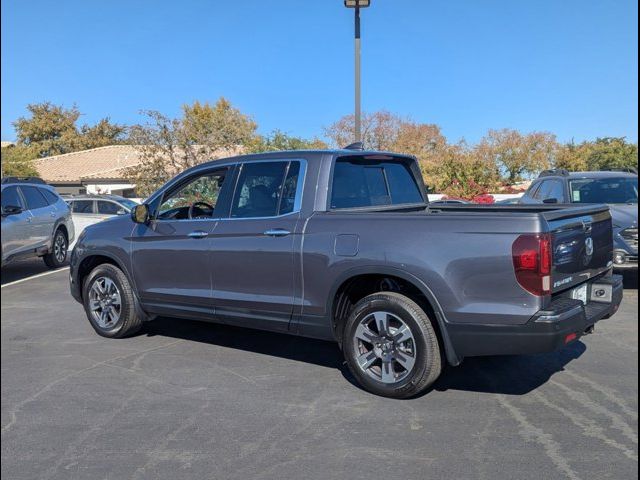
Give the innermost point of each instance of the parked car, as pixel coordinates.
(35, 221)
(617, 188)
(342, 245)
(88, 204)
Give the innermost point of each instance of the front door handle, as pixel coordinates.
(277, 232)
(198, 234)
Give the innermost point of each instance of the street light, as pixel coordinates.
(357, 5)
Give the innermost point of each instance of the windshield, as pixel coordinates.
(604, 190)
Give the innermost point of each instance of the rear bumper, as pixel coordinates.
(547, 331)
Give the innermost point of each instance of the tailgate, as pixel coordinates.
(582, 239)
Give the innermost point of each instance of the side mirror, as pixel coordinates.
(550, 200)
(122, 211)
(140, 214)
(11, 210)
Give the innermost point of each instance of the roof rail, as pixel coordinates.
(355, 146)
(622, 169)
(23, 180)
(554, 172)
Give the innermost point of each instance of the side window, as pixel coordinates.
(259, 189)
(82, 206)
(49, 195)
(556, 190)
(34, 198)
(108, 208)
(359, 182)
(292, 189)
(195, 199)
(536, 191)
(11, 198)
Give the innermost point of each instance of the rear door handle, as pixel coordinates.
(198, 234)
(277, 232)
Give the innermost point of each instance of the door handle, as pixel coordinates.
(198, 234)
(277, 232)
(53, 214)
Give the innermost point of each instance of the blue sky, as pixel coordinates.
(569, 67)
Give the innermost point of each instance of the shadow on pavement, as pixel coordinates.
(20, 269)
(510, 375)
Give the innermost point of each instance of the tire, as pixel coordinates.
(379, 362)
(59, 250)
(126, 320)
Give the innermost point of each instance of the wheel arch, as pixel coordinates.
(357, 283)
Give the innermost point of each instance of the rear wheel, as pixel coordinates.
(59, 248)
(109, 302)
(391, 346)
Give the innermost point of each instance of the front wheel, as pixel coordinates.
(391, 346)
(109, 302)
(59, 248)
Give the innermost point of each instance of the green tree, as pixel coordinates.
(203, 132)
(280, 141)
(52, 130)
(17, 161)
(603, 153)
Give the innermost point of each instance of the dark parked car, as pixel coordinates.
(618, 189)
(35, 221)
(95, 205)
(342, 245)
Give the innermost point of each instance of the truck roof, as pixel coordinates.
(309, 154)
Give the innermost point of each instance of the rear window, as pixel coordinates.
(359, 182)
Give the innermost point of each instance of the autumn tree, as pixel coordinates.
(461, 172)
(386, 131)
(516, 154)
(170, 145)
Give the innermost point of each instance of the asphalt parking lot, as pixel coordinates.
(191, 400)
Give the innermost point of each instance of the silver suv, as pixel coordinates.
(36, 221)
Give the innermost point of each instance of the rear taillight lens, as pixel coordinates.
(532, 262)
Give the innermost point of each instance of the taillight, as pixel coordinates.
(532, 262)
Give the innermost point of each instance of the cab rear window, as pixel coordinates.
(360, 182)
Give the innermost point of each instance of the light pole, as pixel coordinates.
(357, 5)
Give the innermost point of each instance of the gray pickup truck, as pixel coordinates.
(342, 245)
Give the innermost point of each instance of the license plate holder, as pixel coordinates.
(580, 293)
(601, 292)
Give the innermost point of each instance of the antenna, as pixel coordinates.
(355, 146)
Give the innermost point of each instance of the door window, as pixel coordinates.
(259, 189)
(82, 206)
(11, 198)
(49, 196)
(196, 199)
(108, 208)
(34, 198)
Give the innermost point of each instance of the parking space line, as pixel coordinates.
(34, 276)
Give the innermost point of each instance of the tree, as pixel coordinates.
(603, 153)
(52, 130)
(461, 172)
(17, 161)
(518, 155)
(279, 141)
(386, 131)
(203, 132)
